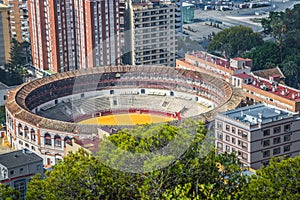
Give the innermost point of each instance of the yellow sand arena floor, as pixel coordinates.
(126, 119)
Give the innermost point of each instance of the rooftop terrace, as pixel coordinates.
(261, 113)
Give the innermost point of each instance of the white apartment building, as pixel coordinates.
(257, 133)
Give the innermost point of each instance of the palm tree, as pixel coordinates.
(290, 69)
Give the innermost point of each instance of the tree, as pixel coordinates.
(263, 55)
(2, 115)
(8, 193)
(290, 69)
(279, 180)
(15, 66)
(235, 41)
(110, 174)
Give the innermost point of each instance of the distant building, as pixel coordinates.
(69, 35)
(257, 133)
(150, 33)
(17, 168)
(267, 88)
(188, 15)
(4, 35)
(3, 89)
(214, 65)
(91, 145)
(18, 19)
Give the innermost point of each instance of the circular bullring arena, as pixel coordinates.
(45, 114)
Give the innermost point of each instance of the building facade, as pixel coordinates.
(18, 20)
(215, 65)
(17, 167)
(257, 133)
(150, 33)
(68, 35)
(188, 13)
(4, 34)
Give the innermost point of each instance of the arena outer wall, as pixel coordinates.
(48, 137)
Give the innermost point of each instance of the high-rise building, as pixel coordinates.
(178, 15)
(150, 33)
(18, 19)
(67, 35)
(4, 35)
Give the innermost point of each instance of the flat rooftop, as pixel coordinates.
(260, 113)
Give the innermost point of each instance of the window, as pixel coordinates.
(47, 139)
(276, 151)
(240, 142)
(286, 148)
(287, 127)
(233, 150)
(57, 141)
(239, 153)
(12, 172)
(286, 138)
(233, 140)
(227, 148)
(277, 129)
(245, 156)
(266, 153)
(276, 140)
(233, 130)
(240, 132)
(227, 138)
(267, 132)
(244, 135)
(245, 145)
(219, 125)
(220, 146)
(21, 170)
(38, 167)
(266, 143)
(219, 135)
(227, 128)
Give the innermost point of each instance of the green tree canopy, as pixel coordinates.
(2, 115)
(8, 193)
(104, 176)
(280, 180)
(263, 55)
(15, 66)
(235, 41)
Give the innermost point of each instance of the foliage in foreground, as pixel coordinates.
(82, 176)
(8, 193)
(279, 180)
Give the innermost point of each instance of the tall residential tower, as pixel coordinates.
(72, 34)
(150, 32)
(18, 19)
